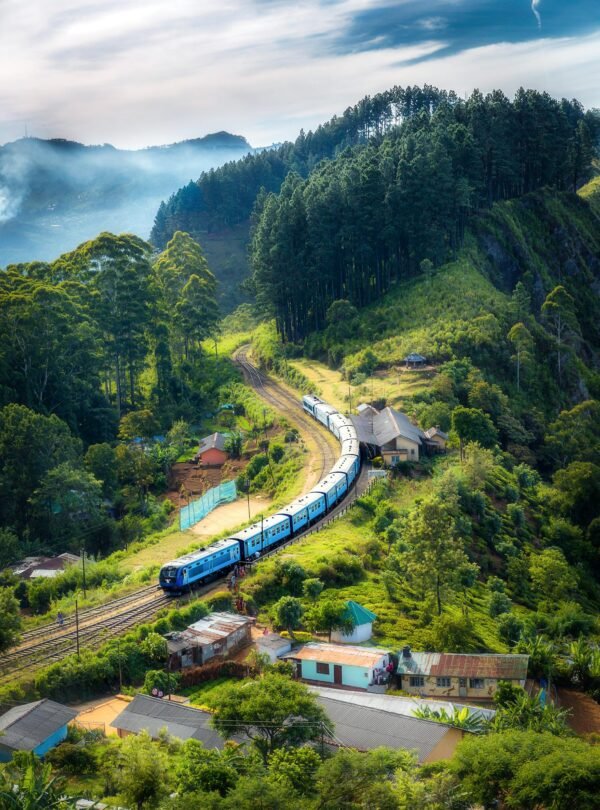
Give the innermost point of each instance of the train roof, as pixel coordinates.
(342, 420)
(344, 462)
(312, 399)
(299, 504)
(218, 545)
(325, 408)
(348, 432)
(326, 483)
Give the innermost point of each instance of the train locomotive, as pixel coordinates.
(249, 544)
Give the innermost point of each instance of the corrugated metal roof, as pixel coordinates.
(339, 654)
(435, 431)
(25, 727)
(365, 728)
(464, 665)
(146, 713)
(395, 704)
(385, 426)
(211, 628)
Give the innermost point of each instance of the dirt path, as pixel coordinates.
(585, 712)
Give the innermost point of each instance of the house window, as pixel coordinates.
(443, 682)
(476, 683)
(322, 669)
(417, 680)
(412, 452)
(395, 459)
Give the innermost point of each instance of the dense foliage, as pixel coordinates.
(378, 213)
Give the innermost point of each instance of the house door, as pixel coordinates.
(337, 674)
(299, 670)
(462, 687)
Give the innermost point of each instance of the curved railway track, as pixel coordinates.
(50, 642)
(282, 400)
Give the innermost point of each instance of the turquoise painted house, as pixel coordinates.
(341, 665)
(36, 727)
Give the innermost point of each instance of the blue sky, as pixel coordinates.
(138, 72)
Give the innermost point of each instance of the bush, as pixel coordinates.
(499, 603)
(221, 600)
(73, 760)
(341, 571)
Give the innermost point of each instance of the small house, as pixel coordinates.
(415, 360)
(273, 645)
(458, 675)
(36, 727)
(341, 665)
(436, 439)
(49, 567)
(211, 451)
(363, 625)
(150, 714)
(389, 434)
(218, 634)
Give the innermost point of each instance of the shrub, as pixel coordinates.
(341, 571)
(499, 603)
(73, 759)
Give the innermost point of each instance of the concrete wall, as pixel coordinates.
(362, 632)
(406, 449)
(446, 746)
(53, 740)
(354, 676)
(431, 689)
(213, 457)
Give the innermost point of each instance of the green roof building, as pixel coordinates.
(363, 625)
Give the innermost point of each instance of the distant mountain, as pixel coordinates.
(57, 193)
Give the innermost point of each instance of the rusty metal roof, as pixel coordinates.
(463, 665)
(339, 654)
(211, 628)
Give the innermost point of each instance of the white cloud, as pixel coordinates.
(135, 72)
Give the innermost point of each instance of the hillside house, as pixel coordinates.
(415, 360)
(211, 451)
(36, 727)
(49, 567)
(363, 625)
(341, 665)
(218, 634)
(391, 435)
(458, 675)
(273, 645)
(436, 439)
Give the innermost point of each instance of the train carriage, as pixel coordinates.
(348, 466)
(328, 487)
(304, 510)
(322, 412)
(309, 402)
(199, 566)
(262, 535)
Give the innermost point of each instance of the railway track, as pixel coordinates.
(283, 401)
(50, 642)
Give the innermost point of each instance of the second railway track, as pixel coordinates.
(51, 642)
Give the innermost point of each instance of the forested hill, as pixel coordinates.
(461, 154)
(217, 208)
(55, 194)
(369, 218)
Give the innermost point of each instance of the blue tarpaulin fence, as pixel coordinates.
(201, 507)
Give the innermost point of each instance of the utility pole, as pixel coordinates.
(77, 625)
(265, 421)
(83, 566)
(120, 667)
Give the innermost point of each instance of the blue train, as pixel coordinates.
(248, 544)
